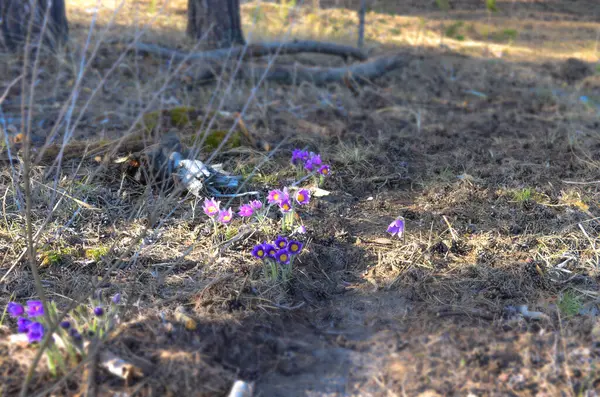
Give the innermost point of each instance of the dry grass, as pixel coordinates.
(491, 162)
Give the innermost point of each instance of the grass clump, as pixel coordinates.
(524, 195)
(570, 304)
(97, 253)
(453, 30)
(54, 257)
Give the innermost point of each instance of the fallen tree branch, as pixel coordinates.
(256, 50)
(296, 74)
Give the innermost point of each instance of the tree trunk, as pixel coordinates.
(15, 18)
(361, 23)
(217, 22)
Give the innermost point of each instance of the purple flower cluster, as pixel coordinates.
(212, 209)
(27, 318)
(281, 250)
(282, 198)
(34, 329)
(247, 210)
(312, 161)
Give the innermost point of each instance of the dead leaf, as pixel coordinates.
(318, 192)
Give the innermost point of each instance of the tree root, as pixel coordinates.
(296, 74)
(214, 63)
(256, 50)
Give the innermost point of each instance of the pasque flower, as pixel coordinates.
(246, 210)
(256, 205)
(294, 247)
(301, 229)
(281, 242)
(283, 256)
(14, 309)
(285, 206)
(276, 196)
(324, 170)
(35, 332)
(35, 308)
(313, 162)
(396, 227)
(302, 196)
(211, 207)
(270, 250)
(225, 216)
(259, 251)
(23, 324)
(299, 155)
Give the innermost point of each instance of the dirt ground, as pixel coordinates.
(492, 161)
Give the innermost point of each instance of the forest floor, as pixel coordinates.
(487, 142)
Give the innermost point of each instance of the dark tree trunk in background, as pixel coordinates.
(15, 17)
(361, 23)
(217, 22)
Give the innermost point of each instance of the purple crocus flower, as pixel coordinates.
(313, 162)
(324, 170)
(285, 206)
(275, 196)
(73, 333)
(300, 229)
(256, 205)
(315, 159)
(270, 250)
(283, 256)
(246, 210)
(396, 227)
(294, 247)
(211, 207)
(116, 299)
(35, 332)
(299, 155)
(65, 324)
(23, 324)
(281, 242)
(302, 196)
(225, 216)
(259, 251)
(14, 309)
(35, 308)
(99, 311)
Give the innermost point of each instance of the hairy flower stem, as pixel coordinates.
(287, 221)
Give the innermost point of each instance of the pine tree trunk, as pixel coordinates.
(216, 22)
(361, 23)
(15, 17)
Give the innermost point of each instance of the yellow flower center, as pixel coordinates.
(276, 196)
(294, 247)
(284, 257)
(212, 210)
(226, 217)
(260, 252)
(286, 206)
(300, 197)
(325, 171)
